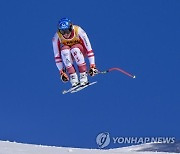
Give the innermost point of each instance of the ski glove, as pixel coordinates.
(93, 70)
(64, 76)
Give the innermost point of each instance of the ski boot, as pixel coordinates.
(83, 79)
(74, 79)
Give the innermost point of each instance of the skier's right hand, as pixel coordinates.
(64, 76)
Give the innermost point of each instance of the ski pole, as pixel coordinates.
(117, 69)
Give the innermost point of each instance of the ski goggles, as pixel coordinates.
(65, 31)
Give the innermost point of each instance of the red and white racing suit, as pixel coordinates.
(75, 48)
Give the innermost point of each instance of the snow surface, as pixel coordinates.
(7, 147)
(156, 147)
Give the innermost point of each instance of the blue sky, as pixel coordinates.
(139, 36)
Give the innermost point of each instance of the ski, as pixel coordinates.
(69, 90)
(82, 87)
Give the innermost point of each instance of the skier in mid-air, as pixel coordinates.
(71, 43)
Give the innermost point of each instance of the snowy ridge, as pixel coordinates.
(156, 147)
(7, 147)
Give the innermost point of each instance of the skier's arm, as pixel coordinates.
(57, 56)
(83, 36)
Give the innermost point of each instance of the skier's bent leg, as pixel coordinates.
(80, 61)
(77, 52)
(68, 62)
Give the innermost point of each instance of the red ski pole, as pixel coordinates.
(118, 69)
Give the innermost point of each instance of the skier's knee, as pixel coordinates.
(75, 51)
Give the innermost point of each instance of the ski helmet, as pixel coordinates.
(64, 25)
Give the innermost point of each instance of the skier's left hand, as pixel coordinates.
(93, 70)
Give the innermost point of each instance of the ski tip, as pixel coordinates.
(64, 92)
(134, 77)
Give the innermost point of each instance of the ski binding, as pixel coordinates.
(82, 87)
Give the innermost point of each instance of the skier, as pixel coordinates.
(71, 43)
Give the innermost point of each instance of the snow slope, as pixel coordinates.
(155, 147)
(19, 148)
